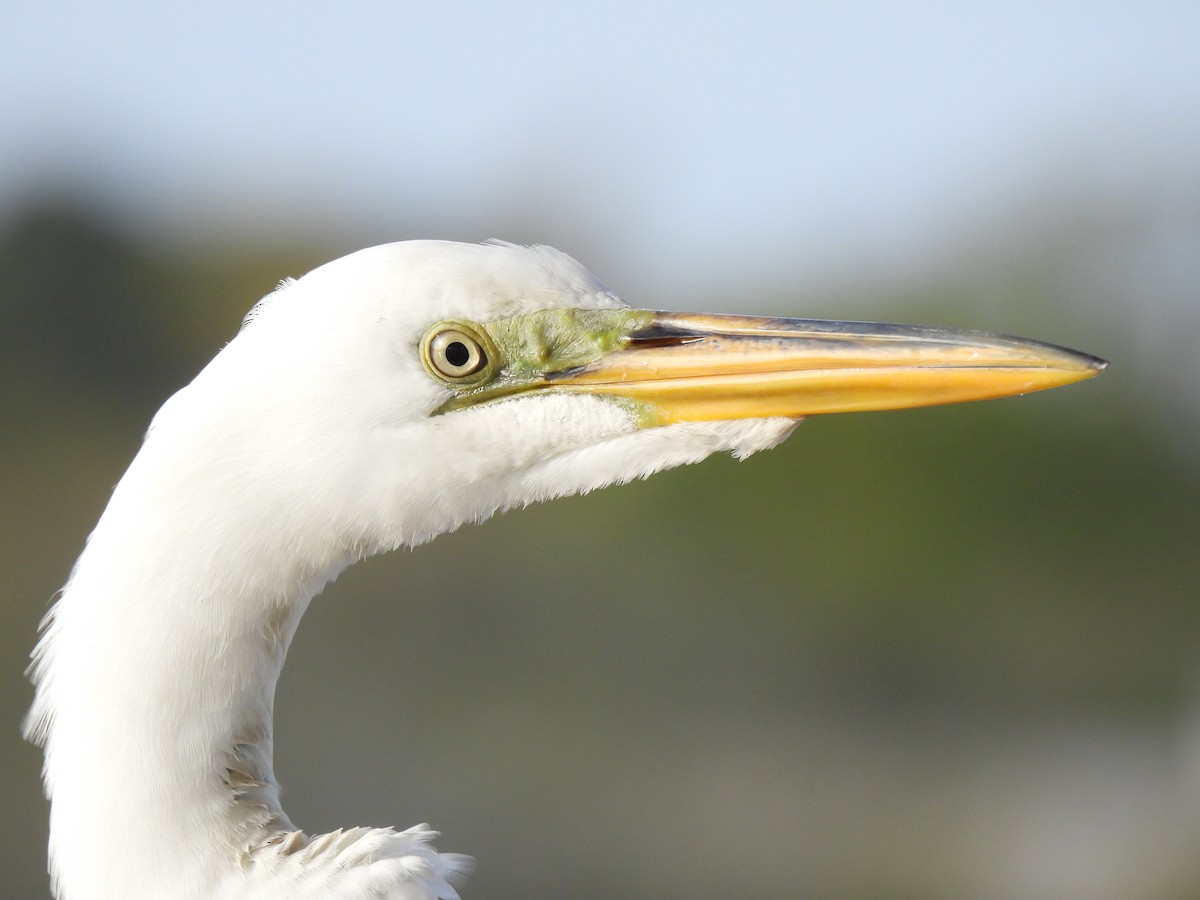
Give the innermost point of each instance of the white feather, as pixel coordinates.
(306, 444)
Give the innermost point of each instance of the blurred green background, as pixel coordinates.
(937, 654)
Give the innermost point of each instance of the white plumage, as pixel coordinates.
(317, 437)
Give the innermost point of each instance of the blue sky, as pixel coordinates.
(687, 135)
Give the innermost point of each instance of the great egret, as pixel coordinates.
(379, 401)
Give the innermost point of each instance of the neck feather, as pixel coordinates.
(155, 679)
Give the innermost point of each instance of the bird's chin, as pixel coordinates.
(647, 450)
(741, 437)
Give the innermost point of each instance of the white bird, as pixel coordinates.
(379, 401)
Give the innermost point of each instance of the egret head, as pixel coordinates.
(467, 379)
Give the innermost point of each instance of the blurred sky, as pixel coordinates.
(697, 138)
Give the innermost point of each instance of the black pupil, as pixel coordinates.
(457, 354)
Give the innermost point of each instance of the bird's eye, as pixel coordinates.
(457, 353)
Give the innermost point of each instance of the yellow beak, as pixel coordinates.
(695, 367)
